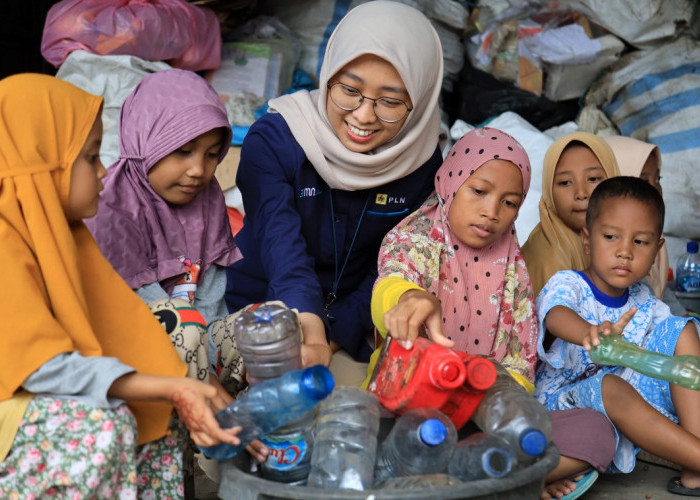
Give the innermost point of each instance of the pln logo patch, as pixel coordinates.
(381, 199)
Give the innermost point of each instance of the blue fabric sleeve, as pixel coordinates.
(152, 292)
(265, 177)
(352, 320)
(73, 375)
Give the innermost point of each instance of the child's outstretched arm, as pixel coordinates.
(193, 400)
(567, 325)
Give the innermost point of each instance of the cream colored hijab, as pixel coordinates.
(553, 246)
(404, 37)
(631, 155)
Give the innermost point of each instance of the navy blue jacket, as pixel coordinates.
(287, 236)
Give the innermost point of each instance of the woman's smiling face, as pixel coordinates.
(360, 130)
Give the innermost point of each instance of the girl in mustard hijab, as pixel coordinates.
(88, 377)
(573, 166)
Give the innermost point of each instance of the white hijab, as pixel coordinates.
(404, 37)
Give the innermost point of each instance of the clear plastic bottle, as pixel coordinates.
(270, 405)
(512, 413)
(421, 442)
(481, 456)
(680, 370)
(345, 447)
(688, 269)
(269, 340)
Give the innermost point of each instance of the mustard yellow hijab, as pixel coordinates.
(59, 294)
(553, 246)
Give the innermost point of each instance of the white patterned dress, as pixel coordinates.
(567, 378)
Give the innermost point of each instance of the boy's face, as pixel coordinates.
(577, 174)
(622, 242)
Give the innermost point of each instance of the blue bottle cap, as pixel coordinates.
(433, 432)
(317, 382)
(533, 442)
(692, 247)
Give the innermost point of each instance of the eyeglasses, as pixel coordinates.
(348, 98)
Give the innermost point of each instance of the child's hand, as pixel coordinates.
(416, 308)
(193, 400)
(315, 349)
(606, 328)
(258, 450)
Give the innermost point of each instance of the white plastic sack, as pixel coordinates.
(642, 23)
(112, 77)
(654, 96)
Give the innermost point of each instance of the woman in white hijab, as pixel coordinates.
(327, 173)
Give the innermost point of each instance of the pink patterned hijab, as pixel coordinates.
(486, 294)
(146, 239)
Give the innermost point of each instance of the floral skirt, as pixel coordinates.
(66, 449)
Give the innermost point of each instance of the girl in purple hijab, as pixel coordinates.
(162, 220)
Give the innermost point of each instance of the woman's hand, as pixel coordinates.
(416, 309)
(315, 349)
(606, 328)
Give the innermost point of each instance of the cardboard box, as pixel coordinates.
(226, 171)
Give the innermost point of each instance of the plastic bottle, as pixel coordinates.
(345, 448)
(269, 340)
(688, 269)
(680, 370)
(510, 412)
(481, 456)
(429, 375)
(270, 405)
(421, 442)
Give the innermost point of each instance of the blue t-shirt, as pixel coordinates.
(287, 238)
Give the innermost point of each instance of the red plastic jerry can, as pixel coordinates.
(429, 375)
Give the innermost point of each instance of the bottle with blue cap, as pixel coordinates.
(480, 456)
(421, 442)
(270, 405)
(688, 269)
(512, 413)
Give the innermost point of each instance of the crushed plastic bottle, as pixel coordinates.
(345, 447)
(270, 405)
(512, 413)
(481, 456)
(430, 375)
(680, 370)
(421, 442)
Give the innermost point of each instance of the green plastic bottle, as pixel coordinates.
(680, 370)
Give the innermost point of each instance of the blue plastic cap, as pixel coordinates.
(533, 442)
(317, 382)
(692, 247)
(433, 432)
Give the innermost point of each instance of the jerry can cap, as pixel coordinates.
(481, 373)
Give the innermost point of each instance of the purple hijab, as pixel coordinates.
(143, 236)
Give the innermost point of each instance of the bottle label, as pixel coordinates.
(285, 453)
(689, 284)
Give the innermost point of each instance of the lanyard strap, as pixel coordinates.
(332, 296)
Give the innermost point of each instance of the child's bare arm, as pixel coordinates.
(192, 399)
(315, 349)
(566, 324)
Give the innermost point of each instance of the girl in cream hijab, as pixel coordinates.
(640, 159)
(573, 166)
(327, 173)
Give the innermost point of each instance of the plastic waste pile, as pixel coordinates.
(431, 417)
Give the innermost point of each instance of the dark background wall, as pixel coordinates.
(21, 26)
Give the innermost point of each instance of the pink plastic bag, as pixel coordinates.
(183, 35)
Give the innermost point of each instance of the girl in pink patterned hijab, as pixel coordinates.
(453, 268)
